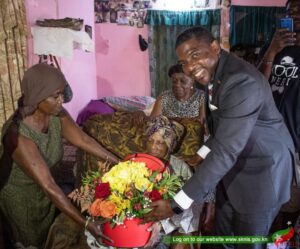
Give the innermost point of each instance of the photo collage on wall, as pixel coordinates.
(122, 12)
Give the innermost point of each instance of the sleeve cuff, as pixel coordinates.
(203, 151)
(183, 200)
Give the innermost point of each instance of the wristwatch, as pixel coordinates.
(175, 207)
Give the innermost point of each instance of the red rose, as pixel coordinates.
(154, 195)
(102, 190)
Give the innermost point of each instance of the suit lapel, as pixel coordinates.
(217, 81)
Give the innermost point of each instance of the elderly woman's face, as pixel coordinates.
(199, 59)
(156, 146)
(182, 86)
(53, 104)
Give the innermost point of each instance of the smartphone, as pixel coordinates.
(286, 23)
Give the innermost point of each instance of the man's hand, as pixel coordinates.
(193, 161)
(161, 210)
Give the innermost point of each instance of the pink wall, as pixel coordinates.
(122, 68)
(259, 2)
(81, 70)
(117, 68)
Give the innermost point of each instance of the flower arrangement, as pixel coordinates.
(125, 191)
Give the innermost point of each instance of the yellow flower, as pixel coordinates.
(125, 173)
(143, 184)
(121, 204)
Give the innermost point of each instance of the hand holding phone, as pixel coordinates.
(286, 23)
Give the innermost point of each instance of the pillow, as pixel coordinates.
(92, 108)
(131, 103)
(149, 109)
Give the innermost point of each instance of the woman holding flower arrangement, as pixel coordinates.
(31, 145)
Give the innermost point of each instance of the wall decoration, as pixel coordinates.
(133, 12)
(122, 12)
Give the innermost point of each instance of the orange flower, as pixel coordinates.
(100, 207)
(95, 208)
(108, 209)
(163, 191)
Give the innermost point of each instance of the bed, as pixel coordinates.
(109, 121)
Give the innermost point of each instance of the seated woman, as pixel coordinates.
(31, 144)
(182, 101)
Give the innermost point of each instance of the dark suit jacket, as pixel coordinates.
(250, 145)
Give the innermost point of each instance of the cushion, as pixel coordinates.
(193, 138)
(131, 103)
(92, 108)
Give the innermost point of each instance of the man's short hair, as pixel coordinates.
(198, 33)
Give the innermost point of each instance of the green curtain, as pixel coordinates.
(253, 25)
(185, 18)
(164, 27)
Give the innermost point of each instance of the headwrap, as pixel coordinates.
(38, 83)
(170, 130)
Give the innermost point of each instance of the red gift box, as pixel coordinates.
(129, 234)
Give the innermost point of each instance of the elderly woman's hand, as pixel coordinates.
(155, 234)
(94, 227)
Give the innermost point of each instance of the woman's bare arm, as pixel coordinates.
(77, 137)
(157, 108)
(26, 154)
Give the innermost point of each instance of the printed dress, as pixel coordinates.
(173, 108)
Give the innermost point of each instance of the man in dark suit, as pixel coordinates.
(248, 156)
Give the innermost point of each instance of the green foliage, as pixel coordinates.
(91, 177)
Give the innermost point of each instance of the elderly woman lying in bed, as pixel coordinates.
(162, 138)
(122, 132)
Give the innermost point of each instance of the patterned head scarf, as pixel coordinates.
(38, 83)
(170, 130)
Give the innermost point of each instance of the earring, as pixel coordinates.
(192, 87)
